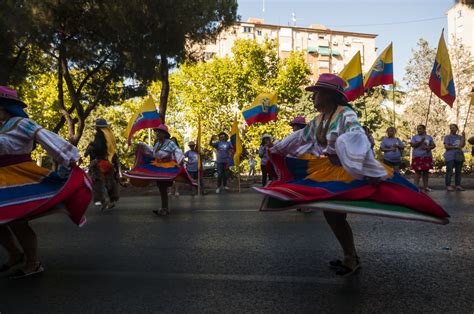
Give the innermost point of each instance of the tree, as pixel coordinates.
(161, 32)
(220, 89)
(463, 73)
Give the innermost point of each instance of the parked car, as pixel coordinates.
(210, 168)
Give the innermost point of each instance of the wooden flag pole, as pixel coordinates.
(428, 111)
(393, 100)
(199, 157)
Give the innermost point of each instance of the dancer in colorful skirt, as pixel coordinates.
(422, 157)
(104, 166)
(28, 191)
(346, 178)
(161, 163)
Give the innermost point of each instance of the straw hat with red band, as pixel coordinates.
(329, 82)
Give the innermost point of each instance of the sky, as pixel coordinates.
(364, 16)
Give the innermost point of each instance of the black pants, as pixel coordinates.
(264, 174)
(221, 174)
(163, 187)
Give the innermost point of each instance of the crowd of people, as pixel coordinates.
(334, 143)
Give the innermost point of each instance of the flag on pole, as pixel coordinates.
(381, 72)
(236, 144)
(352, 74)
(263, 109)
(441, 79)
(145, 117)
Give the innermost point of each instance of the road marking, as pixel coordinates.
(210, 277)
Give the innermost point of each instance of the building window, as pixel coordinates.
(320, 36)
(324, 64)
(247, 29)
(459, 13)
(259, 33)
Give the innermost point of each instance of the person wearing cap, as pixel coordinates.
(224, 152)
(192, 157)
(104, 166)
(28, 191)
(161, 163)
(296, 124)
(263, 153)
(340, 137)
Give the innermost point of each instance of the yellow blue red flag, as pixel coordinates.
(263, 109)
(145, 117)
(441, 78)
(381, 72)
(352, 74)
(236, 144)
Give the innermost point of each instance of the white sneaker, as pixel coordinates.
(97, 203)
(218, 190)
(176, 194)
(226, 188)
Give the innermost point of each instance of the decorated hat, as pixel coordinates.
(10, 102)
(163, 128)
(101, 123)
(298, 120)
(331, 82)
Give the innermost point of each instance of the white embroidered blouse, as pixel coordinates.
(345, 138)
(18, 135)
(165, 151)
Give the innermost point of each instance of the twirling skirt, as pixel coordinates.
(28, 191)
(315, 183)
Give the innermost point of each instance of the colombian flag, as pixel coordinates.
(236, 144)
(381, 72)
(352, 74)
(263, 109)
(145, 117)
(441, 78)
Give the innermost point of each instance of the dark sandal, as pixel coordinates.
(20, 273)
(335, 263)
(345, 271)
(4, 268)
(161, 212)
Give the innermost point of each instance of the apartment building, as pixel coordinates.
(461, 25)
(325, 50)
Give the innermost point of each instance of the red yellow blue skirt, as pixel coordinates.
(28, 191)
(148, 169)
(316, 183)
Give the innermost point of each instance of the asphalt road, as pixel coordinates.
(218, 254)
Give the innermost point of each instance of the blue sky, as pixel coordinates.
(357, 16)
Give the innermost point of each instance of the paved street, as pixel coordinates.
(218, 254)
